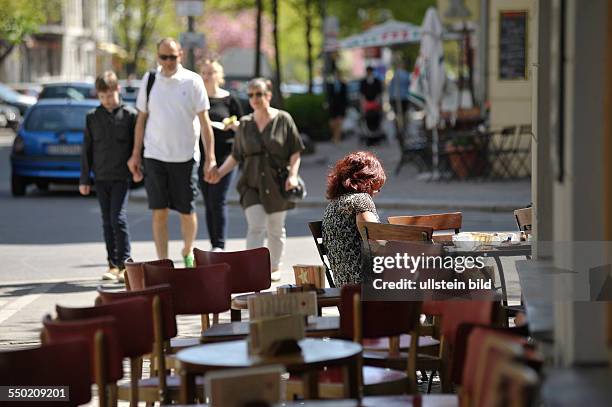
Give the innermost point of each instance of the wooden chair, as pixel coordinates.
(160, 308)
(523, 219)
(402, 233)
(372, 319)
(104, 349)
(514, 385)
(134, 272)
(200, 290)
(250, 270)
(317, 234)
(438, 222)
(65, 363)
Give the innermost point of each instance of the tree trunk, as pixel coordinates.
(259, 4)
(309, 45)
(5, 52)
(278, 97)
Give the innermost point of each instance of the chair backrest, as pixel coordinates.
(102, 341)
(378, 318)
(250, 269)
(61, 364)
(385, 231)
(437, 221)
(459, 312)
(316, 229)
(133, 320)
(523, 219)
(134, 273)
(163, 291)
(195, 291)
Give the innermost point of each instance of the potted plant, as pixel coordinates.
(466, 155)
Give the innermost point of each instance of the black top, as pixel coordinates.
(107, 144)
(337, 96)
(221, 108)
(370, 90)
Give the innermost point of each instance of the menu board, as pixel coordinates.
(513, 45)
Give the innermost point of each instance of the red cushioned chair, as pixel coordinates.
(134, 273)
(250, 270)
(61, 364)
(199, 290)
(373, 319)
(160, 307)
(103, 345)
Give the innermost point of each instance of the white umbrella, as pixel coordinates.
(428, 77)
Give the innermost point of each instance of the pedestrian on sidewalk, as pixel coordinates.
(224, 112)
(337, 101)
(107, 145)
(351, 185)
(170, 115)
(267, 141)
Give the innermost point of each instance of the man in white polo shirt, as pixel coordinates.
(169, 121)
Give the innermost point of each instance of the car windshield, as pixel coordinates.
(67, 91)
(57, 118)
(8, 94)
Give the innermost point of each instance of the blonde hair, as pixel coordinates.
(264, 83)
(216, 66)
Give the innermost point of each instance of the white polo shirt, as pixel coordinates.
(173, 128)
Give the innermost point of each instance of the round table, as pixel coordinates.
(316, 354)
(330, 297)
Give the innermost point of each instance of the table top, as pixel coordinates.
(328, 298)
(234, 354)
(317, 326)
(577, 386)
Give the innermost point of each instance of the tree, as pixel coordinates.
(257, 70)
(278, 97)
(137, 22)
(18, 19)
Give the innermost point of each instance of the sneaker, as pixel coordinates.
(111, 273)
(276, 275)
(121, 275)
(217, 249)
(188, 260)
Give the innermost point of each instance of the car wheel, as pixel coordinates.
(42, 185)
(18, 185)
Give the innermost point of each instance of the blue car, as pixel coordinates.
(47, 147)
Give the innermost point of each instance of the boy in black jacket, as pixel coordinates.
(107, 146)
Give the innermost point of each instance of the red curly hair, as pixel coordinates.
(360, 171)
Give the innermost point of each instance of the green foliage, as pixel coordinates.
(309, 115)
(19, 19)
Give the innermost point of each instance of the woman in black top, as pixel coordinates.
(224, 113)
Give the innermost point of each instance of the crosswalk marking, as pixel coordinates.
(14, 306)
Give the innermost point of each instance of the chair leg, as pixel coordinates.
(135, 373)
(431, 377)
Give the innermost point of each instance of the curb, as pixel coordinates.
(319, 202)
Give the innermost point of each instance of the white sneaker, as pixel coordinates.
(217, 249)
(276, 275)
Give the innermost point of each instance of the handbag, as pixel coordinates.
(293, 195)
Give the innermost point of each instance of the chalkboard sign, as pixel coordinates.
(513, 45)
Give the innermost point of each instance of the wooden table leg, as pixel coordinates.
(187, 395)
(352, 379)
(311, 385)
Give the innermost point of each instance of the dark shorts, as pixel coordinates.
(171, 185)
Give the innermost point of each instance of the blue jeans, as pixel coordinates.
(113, 197)
(215, 202)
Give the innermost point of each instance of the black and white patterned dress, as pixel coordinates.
(341, 236)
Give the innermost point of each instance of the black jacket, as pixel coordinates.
(107, 144)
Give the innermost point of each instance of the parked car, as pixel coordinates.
(68, 90)
(47, 147)
(129, 91)
(9, 97)
(30, 89)
(9, 117)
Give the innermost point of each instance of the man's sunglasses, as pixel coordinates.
(258, 94)
(170, 57)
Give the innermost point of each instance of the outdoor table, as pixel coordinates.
(317, 327)
(329, 297)
(316, 354)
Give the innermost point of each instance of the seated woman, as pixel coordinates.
(351, 185)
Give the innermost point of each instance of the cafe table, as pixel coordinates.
(326, 297)
(317, 327)
(315, 354)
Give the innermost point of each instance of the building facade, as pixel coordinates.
(72, 44)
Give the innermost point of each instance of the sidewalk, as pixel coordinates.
(403, 191)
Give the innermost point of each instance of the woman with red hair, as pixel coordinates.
(352, 183)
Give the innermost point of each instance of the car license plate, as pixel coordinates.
(64, 149)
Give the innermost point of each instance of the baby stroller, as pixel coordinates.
(371, 123)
